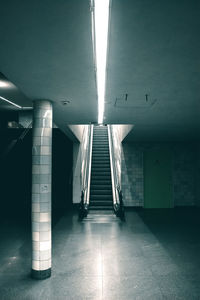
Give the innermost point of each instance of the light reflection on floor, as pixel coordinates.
(153, 255)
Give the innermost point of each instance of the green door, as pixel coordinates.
(157, 179)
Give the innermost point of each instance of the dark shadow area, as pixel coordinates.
(173, 225)
(177, 232)
(16, 175)
(62, 160)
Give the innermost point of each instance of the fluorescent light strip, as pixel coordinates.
(22, 107)
(101, 17)
(10, 102)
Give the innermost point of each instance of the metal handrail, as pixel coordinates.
(113, 166)
(89, 164)
(116, 187)
(14, 142)
(24, 133)
(86, 177)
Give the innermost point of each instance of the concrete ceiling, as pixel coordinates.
(46, 51)
(153, 74)
(155, 51)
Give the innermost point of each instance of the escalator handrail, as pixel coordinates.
(114, 175)
(87, 167)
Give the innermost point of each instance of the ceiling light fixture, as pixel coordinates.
(18, 106)
(100, 23)
(4, 99)
(4, 84)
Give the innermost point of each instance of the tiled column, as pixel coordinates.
(41, 189)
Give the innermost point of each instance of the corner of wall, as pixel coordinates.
(76, 172)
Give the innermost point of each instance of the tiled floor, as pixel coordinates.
(154, 255)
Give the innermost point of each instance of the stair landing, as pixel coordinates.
(101, 216)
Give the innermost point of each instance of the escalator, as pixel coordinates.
(101, 197)
(101, 187)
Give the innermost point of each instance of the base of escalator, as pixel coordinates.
(101, 216)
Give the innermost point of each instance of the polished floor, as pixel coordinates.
(154, 255)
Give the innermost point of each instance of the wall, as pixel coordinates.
(76, 173)
(119, 132)
(79, 151)
(78, 131)
(122, 130)
(132, 175)
(184, 168)
(184, 172)
(62, 153)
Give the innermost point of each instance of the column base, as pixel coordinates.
(43, 274)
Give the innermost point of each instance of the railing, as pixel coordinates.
(26, 131)
(115, 176)
(86, 172)
(14, 142)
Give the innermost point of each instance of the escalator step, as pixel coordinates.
(101, 192)
(101, 186)
(101, 207)
(100, 182)
(101, 197)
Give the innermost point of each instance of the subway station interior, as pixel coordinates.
(100, 150)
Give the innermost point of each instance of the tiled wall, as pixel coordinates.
(132, 175)
(184, 168)
(184, 172)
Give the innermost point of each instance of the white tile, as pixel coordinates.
(35, 226)
(45, 255)
(45, 236)
(39, 113)
(36, 140)
(35, 265)
(35, 255)
(45, 245)
(35, 188)
(45, 150)
(45, 198)
(47, 132)
(35, 197)
(45, 217)
(35, 207)
(45, 188)
(35, 236)
(45, 207)
(35, 246)
(35, 169)
(45, 226)
(45, 159)
(36, 150)
(44, 265)
(45, 169)
(44, 178)
(37, 132)
(35, 216)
